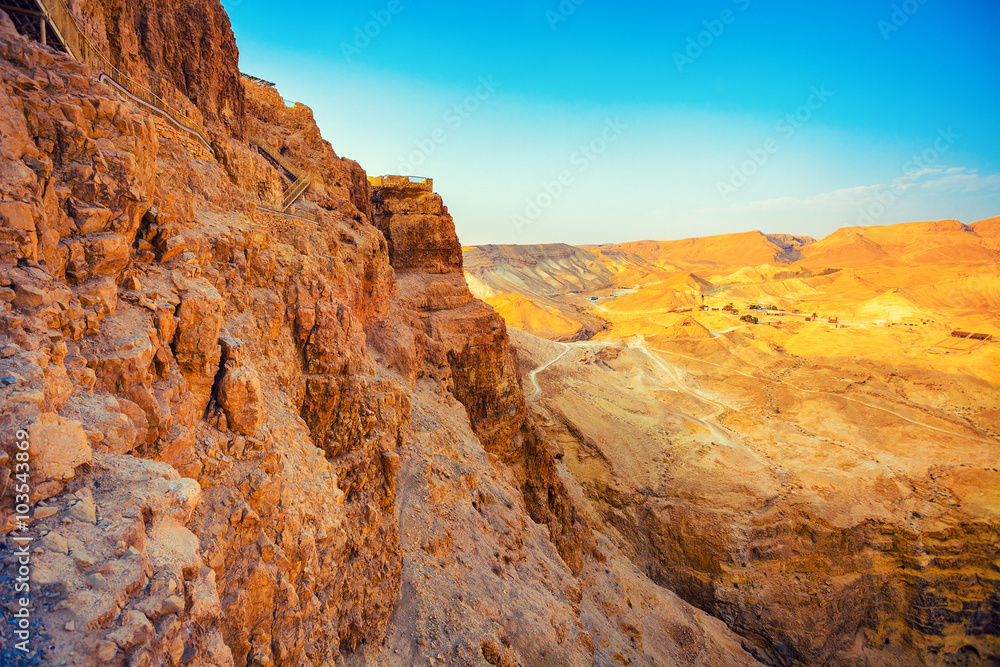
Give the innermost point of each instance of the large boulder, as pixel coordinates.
(58, 447)
(241, 398)
(196, 345)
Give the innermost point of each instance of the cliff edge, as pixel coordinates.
(265, 438)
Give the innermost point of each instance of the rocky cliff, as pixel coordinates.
(184, 51)
(264, 439)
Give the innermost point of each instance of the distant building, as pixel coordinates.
(973, 336)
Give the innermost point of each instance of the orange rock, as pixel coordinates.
(241, 397)
(58, 447)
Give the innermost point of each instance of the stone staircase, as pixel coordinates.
(301, 180)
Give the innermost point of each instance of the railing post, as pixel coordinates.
(41, 30)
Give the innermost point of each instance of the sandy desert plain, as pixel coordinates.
(825, 480)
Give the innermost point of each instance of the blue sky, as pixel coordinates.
(587, 121)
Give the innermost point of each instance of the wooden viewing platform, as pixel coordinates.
(415, 182)
(257, 80)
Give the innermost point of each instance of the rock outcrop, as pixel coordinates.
(427, 256)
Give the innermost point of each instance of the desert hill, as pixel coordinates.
(505, 275)
(718, 252)
(852, 266)
(549, 318)
(546, 270)
(631, 269)
(942, 241)
(757, 274)
(938, 242)
(989, 231)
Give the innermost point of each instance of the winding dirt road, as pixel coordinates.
(534, 374)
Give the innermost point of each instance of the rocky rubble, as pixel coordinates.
(123, 576)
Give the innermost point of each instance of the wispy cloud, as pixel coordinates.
(960, 180)
(917, 175)
(939, 179)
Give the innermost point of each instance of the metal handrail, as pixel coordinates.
(257, 80)
(296, 191)
(81, 48)
(274, 155)
(107, 79)
(302, 179)
(75, 40)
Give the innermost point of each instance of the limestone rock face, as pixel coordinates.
(118, 425)
(416, 223)
(196, 346)
(151, 41)
(427, 256)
